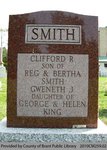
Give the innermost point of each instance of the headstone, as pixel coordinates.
(52, 70)
(3, 73)
(0, 56)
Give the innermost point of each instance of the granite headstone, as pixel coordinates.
(52, 70)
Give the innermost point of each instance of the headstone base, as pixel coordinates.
(53, 135)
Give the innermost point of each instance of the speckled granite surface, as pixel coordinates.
(52, 135)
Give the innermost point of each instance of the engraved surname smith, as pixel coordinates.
(51, 34)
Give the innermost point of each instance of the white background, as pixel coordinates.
(87, 7)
